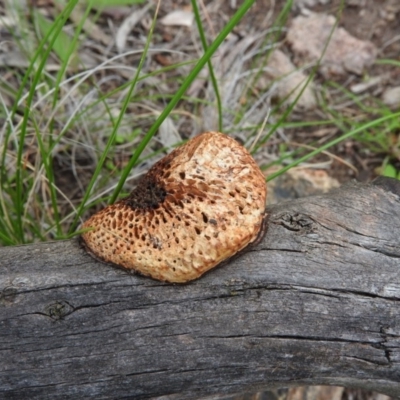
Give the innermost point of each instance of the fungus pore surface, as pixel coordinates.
(195, 208)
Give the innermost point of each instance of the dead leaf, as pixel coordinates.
(127, 26)
(116, 13)
(90, 28)
(391, 97)
(308, 3)
(178, 18)
(168, 134)
(370, 83)
(162, 60)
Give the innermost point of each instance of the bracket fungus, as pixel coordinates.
(195, 208)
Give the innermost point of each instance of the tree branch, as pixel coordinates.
(316, 302)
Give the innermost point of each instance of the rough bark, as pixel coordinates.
(316, 302)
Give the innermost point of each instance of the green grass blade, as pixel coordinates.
(70, 54)
(113, 135)
(62, 42)
(210, 67)
(335, 142)
(51, 37)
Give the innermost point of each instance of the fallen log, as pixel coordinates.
(317, 301)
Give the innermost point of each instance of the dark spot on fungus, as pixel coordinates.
(147, 195)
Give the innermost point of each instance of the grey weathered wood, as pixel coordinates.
(316, 302)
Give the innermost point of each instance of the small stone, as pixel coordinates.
(391, 97)
(308, 36)
(289, 81)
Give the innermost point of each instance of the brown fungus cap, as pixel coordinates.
(195, 208)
